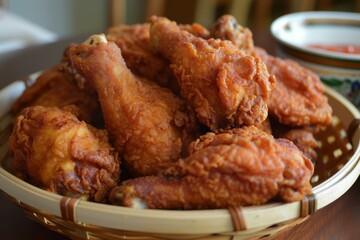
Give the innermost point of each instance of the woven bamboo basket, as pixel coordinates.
(336, 169)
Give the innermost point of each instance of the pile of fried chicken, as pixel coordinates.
(169, 116)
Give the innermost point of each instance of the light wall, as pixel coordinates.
(63, 17)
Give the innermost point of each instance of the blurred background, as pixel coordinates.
(35, 21)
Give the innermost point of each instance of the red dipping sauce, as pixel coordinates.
(342, 48)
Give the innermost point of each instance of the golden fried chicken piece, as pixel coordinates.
(225, 87)
(51, 89)
(134, 42)
(298, 98)
(266, 126)
(196, 29)
(302, 137)
(238, 167)
(146, 122)
(55, 151)
(227, 28)
(304, 140)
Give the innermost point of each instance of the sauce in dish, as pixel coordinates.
(342, 48)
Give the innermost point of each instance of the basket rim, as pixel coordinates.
(175, 221)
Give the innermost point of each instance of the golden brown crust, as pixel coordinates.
(235, 168)
(222, 85)
(225, 85)
(51, 89)
(55, 151)
(145, 121)
(302, 137)
(134, 42)
(227, 28)
(298, 98)
(196, 29)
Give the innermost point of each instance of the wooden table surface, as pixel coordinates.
(339, 220)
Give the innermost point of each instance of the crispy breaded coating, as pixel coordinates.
(222, 85)
(298, 98)
(147, 123)
(238, 167)
(51, 89)
(134, 42)
(196, 29)
(227, 28)
(55, 151)
(302, 137)
(201, 119)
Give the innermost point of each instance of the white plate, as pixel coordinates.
(298, 30)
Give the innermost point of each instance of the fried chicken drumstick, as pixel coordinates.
(225, 87)
(238, 167)
(145, 121)
(55, 151)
